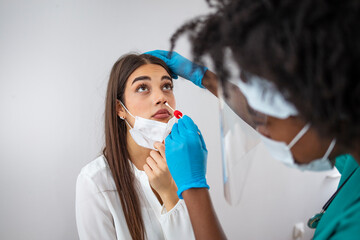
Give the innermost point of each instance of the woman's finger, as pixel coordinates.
(161, 147)
(151, 162)
(160, 160)
(155, 155)
(148, 171)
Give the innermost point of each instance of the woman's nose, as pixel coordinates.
(159, 97)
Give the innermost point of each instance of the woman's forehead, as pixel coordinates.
(149, 70)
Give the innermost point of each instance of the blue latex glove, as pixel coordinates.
(186, 155)
(181, 66)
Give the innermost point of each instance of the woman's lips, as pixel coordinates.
(161, 114)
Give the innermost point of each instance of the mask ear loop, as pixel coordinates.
(128, 112)
(330, 148)
(299, 135)
(302, 132)
(127, 123)
(126, 108)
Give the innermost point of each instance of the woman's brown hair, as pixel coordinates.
(115, 149)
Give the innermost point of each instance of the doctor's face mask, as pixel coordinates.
(282, 152)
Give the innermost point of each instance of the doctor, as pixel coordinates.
(296, 83)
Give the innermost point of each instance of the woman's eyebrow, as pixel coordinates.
(141, 78)
(165, 77)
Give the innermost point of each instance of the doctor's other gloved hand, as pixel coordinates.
(186, 155)
(181, 66)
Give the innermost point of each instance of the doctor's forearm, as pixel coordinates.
(202, 215)
(210, 82)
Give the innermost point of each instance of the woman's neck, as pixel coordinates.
(137, 153)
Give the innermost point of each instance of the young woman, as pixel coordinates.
(128, 192)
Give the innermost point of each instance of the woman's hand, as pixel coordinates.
(159, 176)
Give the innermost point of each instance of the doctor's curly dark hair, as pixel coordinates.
(310, 49)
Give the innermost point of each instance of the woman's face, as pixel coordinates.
(147, 90)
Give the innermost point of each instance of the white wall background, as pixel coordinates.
(55, 59)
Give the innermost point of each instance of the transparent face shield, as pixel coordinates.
(239, 141)
(240, 120)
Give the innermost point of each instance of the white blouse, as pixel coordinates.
(99, 213)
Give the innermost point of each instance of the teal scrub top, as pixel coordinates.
(342, 218)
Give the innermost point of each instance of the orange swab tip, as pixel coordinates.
(176, 113)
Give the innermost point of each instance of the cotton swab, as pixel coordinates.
(176, 113)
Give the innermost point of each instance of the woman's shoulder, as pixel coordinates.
(95, 167)
(98, 173)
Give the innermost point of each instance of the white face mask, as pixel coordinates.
(146, 132)
(281, 152)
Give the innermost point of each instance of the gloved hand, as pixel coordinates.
(181, 66)
(186, 155)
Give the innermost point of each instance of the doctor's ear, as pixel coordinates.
(120, 111)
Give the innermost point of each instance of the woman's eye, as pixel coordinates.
(142, 88)
(168, 87)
